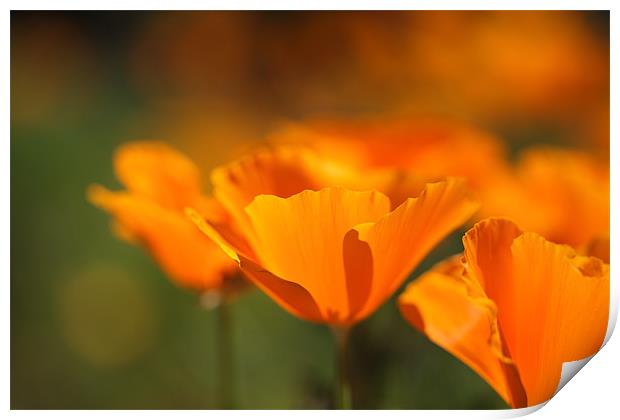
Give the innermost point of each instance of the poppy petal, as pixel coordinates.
(358, 268)
(562, 303)
(489, 267)
(300, 239)
(438, 305)
(293, 297)
(592, 297)
(175, 243)
(278, 172)
(158, 172)
(401, 239)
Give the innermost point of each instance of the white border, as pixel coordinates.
(592, 393)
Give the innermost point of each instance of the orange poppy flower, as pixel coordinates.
(560, 194)
(160, 183)
(476, 61)
(429, 148)
(330, 256)
(514, 308)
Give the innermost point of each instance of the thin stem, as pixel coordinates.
(342, 385)
(225, 356)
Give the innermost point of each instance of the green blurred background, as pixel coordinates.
(95, 324)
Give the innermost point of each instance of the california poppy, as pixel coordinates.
(514, 307)
(333, 256)
(561, 194)
(160, 183)
(485, 64)
(430, 148)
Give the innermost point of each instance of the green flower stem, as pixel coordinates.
(225, 356)
(342, 385)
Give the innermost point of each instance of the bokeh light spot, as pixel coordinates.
(107, 317)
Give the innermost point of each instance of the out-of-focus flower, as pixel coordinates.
(428, 148)
(560, 194)
(330, 256)
(160, 183)
(501, 68)
(513, 308)
(511, 64)
(286, 170)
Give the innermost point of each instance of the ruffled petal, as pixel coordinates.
(301, 239)
(401, 239)
(489, 268)
(562, 308)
